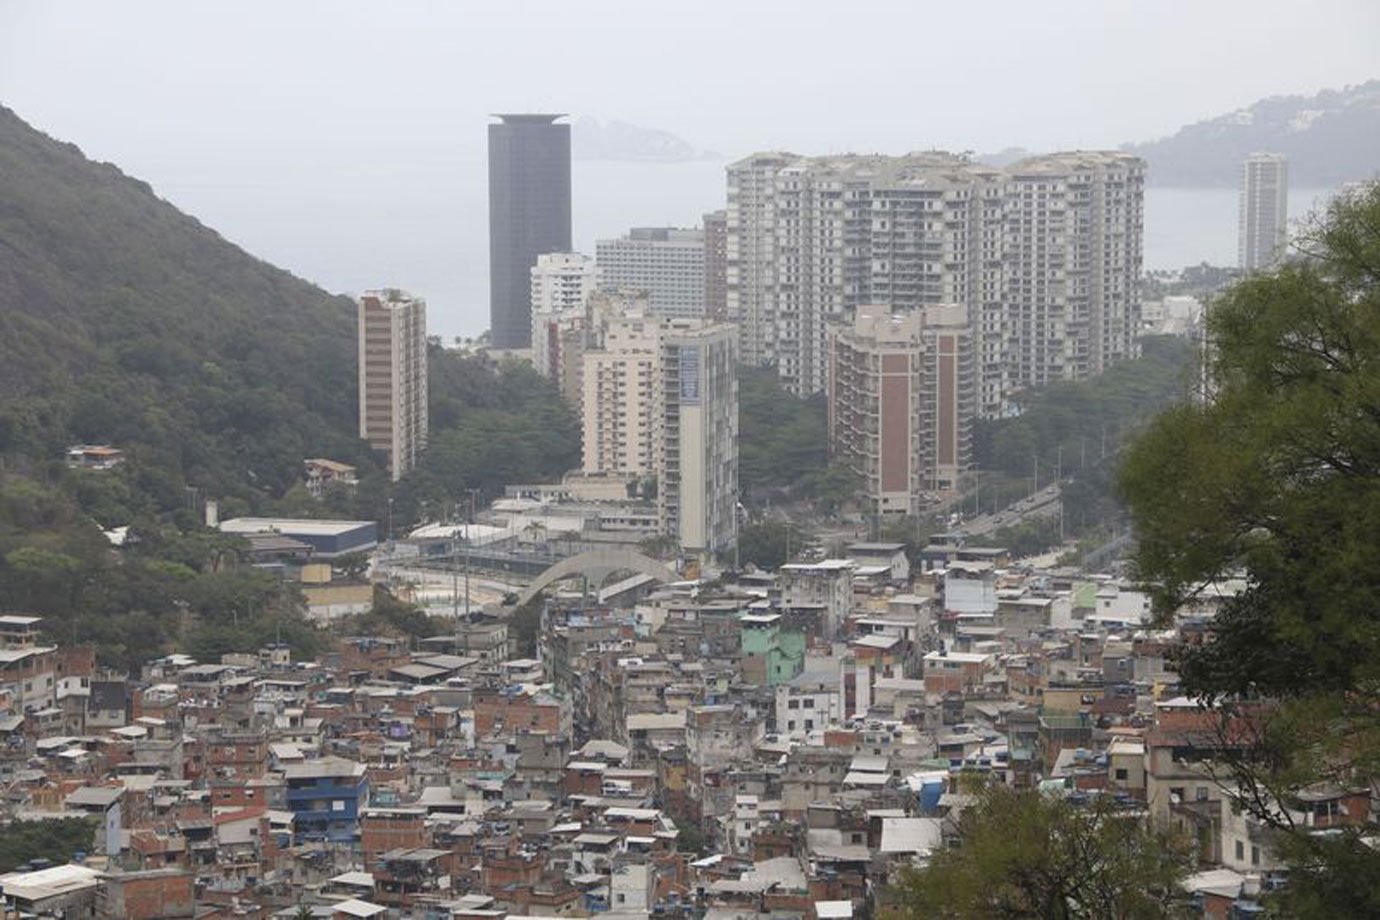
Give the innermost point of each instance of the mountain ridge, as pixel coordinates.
(1330, 137)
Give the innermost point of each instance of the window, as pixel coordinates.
(1255, 855)
(1121, 773)
(1240, 850)
(1201, 793)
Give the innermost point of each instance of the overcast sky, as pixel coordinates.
(279, 121)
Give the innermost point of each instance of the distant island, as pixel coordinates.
(618, 140)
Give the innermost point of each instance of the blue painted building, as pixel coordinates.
(325, 797)
(328, 539)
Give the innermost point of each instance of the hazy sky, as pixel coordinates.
(315, 133)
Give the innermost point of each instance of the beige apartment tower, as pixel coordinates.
(619, 409)
(661, 399)
(716, 265)
(697, 464)
(901, 403)
(392, 376)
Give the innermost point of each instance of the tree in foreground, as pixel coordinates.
(1028, 854)
(1277, 478)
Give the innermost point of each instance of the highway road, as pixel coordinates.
(1043, 504)
(442, 593)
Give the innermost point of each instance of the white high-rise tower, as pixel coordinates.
(1264, 211)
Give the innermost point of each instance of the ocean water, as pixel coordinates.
(423, 225)
(1185, 226)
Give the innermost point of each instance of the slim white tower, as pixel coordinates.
(1264, 211)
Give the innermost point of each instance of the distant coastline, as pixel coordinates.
(621, 142)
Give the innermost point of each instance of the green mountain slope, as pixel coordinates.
(124, 320)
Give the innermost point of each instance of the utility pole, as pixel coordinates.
(738, 511)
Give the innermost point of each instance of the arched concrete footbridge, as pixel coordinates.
(597, 565)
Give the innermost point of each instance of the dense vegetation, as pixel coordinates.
(769, 544)
(1072, 425)
(124, 321)
(393, 617)
(491, 425)
(1025, 853)
(55, 840)
(783, 441)
(1278, 478)
(167, 589)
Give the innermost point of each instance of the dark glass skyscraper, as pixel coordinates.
(529, 215)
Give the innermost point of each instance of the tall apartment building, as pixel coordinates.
(697, 474)
(716, 265)
(529, 215)
(750, 275)
(902, 399)
(562, 283)
(620, 411)
(666, 262)
(1044, 255)
(563, 337)
(660, 398)
(392, 376)
(1073, 251)
(1263, 211)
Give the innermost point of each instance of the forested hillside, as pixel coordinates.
(124, 320)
